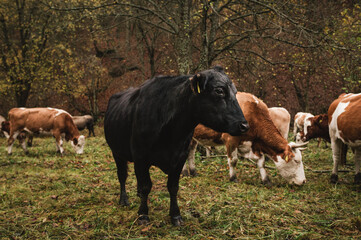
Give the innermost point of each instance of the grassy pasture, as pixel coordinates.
(45, 196)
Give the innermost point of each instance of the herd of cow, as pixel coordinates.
(26, 122)
(161, 122)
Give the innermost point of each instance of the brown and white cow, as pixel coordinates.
(262, 138)
(210, 138)
(2, 125)
(316, 127)
(299, 124)
(281, 118)
(45, 120)
(344, 122)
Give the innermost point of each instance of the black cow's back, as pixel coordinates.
(153, 118)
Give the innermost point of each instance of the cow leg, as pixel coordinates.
(173, 187)
(264, 177)
(11, 141)
(295, 129)
(30, 140)
(59, 143)
(343, 154)
(208, 152)
(22, 141)
(122, 171)
(92, 130)
(232, 159)
(357, 156)
(190, 161)
(336, 146)
(144, 185)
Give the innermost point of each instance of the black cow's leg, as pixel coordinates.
(173, 186)
(144, 185)
(122, 171)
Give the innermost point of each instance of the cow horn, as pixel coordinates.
(297, 145)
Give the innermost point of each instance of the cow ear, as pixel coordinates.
(75, 141)
(198, 83)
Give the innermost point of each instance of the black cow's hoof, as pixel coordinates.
(177, 221)
(124, 202)
(143, 220)
(334, 178)
(358, 178)
(233, 179)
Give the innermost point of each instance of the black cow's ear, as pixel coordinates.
(75, 141)
(218, 69)
(198, 83)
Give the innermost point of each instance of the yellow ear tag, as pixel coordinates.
(199, 90)
(286, 159)
(320, 121)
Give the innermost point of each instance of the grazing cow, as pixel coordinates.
(316, 127)
(83, 122)
(262, 138)
(44, 120)
(281, 119)
(299, 124)
(208, 137)
(154, 124)
(344, 122)
(3, 126)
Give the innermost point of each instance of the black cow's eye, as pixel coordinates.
(219, 92)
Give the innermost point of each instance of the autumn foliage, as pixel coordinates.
(74, 54)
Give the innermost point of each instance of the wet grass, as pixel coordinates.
(45, 196)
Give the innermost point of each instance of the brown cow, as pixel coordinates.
(344, 122)
(262, 138)
(316, 127)
(45, 120)
(3, 126)
(299, 124)
(210, 138)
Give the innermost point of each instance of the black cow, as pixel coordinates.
(154, 124)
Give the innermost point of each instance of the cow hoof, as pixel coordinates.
(143, 220)
(177, 221)
(358, 178)
(233, 179)
(267, 182)
(124, 202)
(193, 172)
(334, 178)
(185, 173)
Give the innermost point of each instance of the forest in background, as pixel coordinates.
(74, 54)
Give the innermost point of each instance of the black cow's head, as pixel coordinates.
(216, 105)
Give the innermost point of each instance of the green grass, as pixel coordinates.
(45, 196)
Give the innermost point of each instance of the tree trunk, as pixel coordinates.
(183, 40)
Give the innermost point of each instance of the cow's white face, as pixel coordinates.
(292, 170)
(79, 147)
